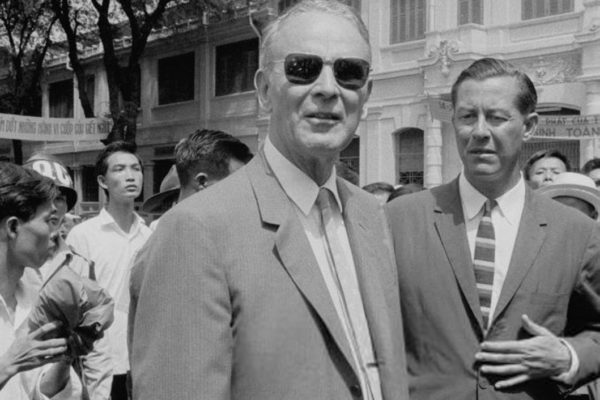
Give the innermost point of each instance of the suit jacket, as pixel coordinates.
(232, 304)
(553, 277)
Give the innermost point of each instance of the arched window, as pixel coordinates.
(410, 155)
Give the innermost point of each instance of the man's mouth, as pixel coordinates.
(324, 116)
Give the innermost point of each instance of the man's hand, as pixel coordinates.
(32, 350)
(541, 356)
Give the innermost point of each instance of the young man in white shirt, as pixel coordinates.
(111, 240)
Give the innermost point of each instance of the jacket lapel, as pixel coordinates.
(528, 243)
(371, 258)
(450, 225)
(294, 249)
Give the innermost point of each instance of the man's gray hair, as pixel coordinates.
(333, 7)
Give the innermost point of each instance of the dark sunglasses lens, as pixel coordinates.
(351, 73)
(302, 69)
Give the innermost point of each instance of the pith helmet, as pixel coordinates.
(51, 167)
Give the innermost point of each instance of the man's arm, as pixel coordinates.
(182, 341)
(545, 355)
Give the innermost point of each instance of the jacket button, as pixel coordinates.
(483, 383)
(356, 391)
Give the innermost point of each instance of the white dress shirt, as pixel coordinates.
(303, 192)
(101, 240)
(506, 218)
(25, 385)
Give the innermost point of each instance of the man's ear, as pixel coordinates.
(201, 179)
(261, 83)
(11, 226)
(102, 182)
(530, 123)
(365, 110)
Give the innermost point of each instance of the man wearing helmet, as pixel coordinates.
(97, 372)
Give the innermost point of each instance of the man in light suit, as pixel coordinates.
(247, 293)
(531, 330)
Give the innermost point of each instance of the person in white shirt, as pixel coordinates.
(33, 365)
(111, 240)
(499, 286)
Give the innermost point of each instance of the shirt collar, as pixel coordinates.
(107, 219)
(510, 203)
(298, 186)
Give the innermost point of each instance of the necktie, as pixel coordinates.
(483, 260)
(352, 311)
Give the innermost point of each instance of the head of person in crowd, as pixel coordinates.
(405, 189)
(202, 159)
(592, 169)
(575, 190)
(51, 167)
(26, 215)
(119, 172)
(494, 113)
(381, 190)
(207, 156)
(314, 82)
(543, 166)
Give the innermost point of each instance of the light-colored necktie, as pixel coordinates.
(484, 259)
(353, 314)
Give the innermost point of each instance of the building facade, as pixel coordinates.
(202, 77)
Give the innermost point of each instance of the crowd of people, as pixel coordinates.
(274, 276)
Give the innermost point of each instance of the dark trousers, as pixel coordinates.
(121, 387)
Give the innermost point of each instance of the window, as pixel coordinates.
(542, 8)
(89, 183)
(236, 64)
(470, 12)
(410, 156)
(407, 20)
(61, 99)
(350, 155)
(285, 4)
(176, 79)
(90, 90)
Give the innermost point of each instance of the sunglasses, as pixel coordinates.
(304, 69)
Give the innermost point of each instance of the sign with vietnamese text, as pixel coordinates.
(53, 129)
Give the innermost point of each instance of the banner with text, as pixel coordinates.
(53, 129)
(552, 127)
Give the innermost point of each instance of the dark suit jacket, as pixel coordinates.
(232, 305)
(553, 277)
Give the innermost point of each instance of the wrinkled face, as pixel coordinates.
(32, 243)
(315, 120)
(544, 170)
(490, 130)
(123, 178)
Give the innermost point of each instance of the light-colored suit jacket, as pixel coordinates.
(229, 302)
(553, 277)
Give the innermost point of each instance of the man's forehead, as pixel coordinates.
(496, 89)
(122, 158)
(321, 33)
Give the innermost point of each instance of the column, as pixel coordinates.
(78, 186)
(148, 179)
(433, 153)
(590, 148)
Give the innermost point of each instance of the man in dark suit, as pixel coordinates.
(278, 282)
(499, 286)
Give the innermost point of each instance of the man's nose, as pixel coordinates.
(548, 176)
(481, 128)
(326, 85)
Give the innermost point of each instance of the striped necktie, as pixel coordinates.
(483, 260)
